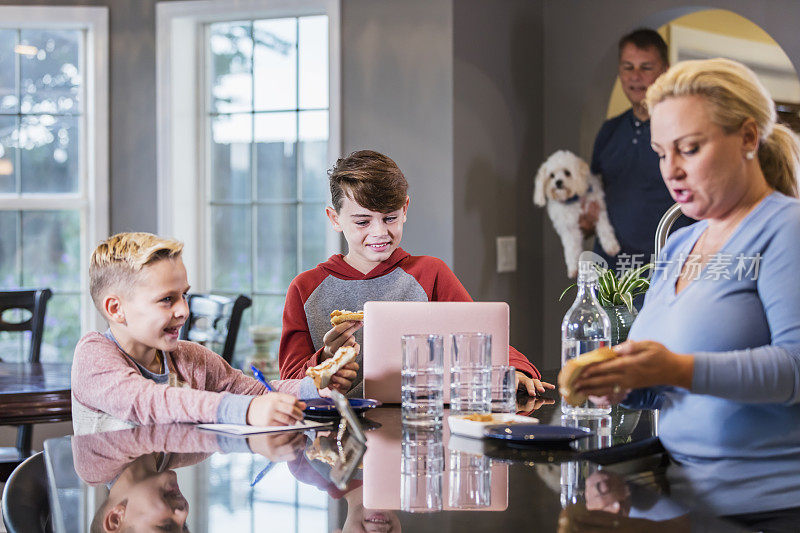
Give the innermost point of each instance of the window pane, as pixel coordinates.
(315, 229)
(231, 138)
(62, 327)
(49, 154)
(8, 72)
(14, 345)
(230, 249)
(313, 60)
(8, 151)
(268, 311)
(51, 243)
(231, 51)
(273, 489)
(275, 136)
(9, 230)
(314, 155)
(50, 72)
(282, 516)
(276, 247)
(275, 64)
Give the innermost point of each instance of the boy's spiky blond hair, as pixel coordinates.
(119, 259)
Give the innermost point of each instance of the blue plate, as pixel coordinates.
(536, 433)
(325, 406)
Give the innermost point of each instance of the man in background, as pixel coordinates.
(636, 196)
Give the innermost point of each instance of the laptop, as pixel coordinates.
(386, 322)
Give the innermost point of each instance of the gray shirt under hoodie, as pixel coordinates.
(336, 285)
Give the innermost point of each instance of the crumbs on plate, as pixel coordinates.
(478, 417)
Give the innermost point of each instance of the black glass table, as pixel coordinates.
(405, 479)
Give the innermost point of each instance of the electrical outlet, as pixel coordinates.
(507, 254)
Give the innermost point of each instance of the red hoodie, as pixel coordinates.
(336, 285)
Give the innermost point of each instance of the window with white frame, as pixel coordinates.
(246, 189)
(53, 197)
(267, 145)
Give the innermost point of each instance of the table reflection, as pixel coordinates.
(423, 471)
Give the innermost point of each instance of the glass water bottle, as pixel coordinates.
(585, 328)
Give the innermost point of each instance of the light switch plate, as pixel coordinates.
(507, 254)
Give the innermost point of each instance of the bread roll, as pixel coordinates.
(573, 368)
(337, 317)
(322, 373)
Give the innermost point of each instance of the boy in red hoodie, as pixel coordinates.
(370, 203)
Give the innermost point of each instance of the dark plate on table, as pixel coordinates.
(536, 434)
(324, 407)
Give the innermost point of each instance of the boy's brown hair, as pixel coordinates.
(370, 178)
(117, 261)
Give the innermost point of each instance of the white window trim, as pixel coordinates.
(180, 127)
(95, 190)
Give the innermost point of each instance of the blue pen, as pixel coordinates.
(260, 377)
(261, 474)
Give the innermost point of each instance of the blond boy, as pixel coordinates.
(138, 372)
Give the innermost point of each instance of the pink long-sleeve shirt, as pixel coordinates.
(109, 391)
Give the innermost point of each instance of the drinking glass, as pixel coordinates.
(470, 480)
(504, 390)
(471, 373)
(421, 470)
(422, 384)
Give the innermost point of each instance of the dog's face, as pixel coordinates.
(563, 176)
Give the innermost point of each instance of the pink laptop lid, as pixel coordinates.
(386, 322)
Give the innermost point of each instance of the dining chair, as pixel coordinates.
(26, 507)
(33, 303)
(215, 319)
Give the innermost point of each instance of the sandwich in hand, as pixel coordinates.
(574, 367)
(323, 372)
(337, 317)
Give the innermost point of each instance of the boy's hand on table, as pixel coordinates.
(284, 446)
(532, 386)
(528, 404)
(338, 336)
(275, 409)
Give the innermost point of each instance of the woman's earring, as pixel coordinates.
(750, 155)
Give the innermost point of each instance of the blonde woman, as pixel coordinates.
(717, 344)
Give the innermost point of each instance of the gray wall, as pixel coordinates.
(497, 139)
(579, 70)
(397, 98)
(458, 106)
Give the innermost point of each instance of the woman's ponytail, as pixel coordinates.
(779, 156)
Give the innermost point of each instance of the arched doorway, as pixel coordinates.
(722, 33)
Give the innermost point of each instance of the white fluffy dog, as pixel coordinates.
(566, 185)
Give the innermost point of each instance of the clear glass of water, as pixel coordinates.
(471, 373)
(504, 390)
(422, 383)
(421, 470)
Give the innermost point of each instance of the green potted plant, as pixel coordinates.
(616, 296)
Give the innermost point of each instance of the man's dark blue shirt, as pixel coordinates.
(636, 197)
